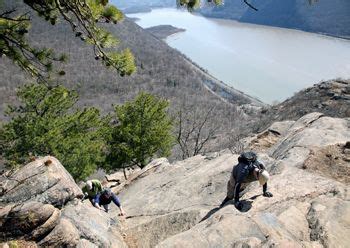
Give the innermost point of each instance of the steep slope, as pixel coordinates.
(38, 204)
(328, 16)
(177, 205)
(331, 98)
(160, 69)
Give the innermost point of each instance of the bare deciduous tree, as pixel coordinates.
(195, 130)
(235, 144)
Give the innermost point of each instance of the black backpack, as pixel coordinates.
(247, 158)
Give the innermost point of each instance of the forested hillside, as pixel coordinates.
(161, 70)
(328, 16)
(129, 6)
(331, 98)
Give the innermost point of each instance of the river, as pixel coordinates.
(265, 62)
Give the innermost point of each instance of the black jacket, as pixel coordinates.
(244, 173)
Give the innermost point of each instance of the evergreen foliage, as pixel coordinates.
(144, 130)
(46, 124)
(83, 17)
(191, 4)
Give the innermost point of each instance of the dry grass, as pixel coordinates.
(264, 141)
(331, 98)
(331, 161)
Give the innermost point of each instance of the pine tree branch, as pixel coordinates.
(251, 6)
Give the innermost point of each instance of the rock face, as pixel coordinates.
(31, 220)
(331, 228)
(332, 98)
(44, 180)
(38, 203)
(177, 205)
(118, 178)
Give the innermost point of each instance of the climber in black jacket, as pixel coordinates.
(248, 169)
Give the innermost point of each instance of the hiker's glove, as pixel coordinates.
(238, 205)
(267, 194)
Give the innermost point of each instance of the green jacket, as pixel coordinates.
(96, 188)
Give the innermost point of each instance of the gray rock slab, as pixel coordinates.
(36, 181)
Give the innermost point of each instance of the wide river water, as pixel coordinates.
(265, 62)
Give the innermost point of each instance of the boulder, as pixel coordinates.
(117, 178)
(30, 220)
(65, 234)
(177, 205)
(93, 225)
(313, 130)
(43, 180)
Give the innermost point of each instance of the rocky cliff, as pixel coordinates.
(40, 206)
(332, 98)
(176, 205)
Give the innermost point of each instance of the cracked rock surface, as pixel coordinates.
(192, 190)
(177, 205)
(38, 203)
(42, 181)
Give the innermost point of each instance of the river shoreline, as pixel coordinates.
(268, 63)
(149, 9)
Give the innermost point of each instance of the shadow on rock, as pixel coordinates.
(255, 196)
(246, 206)
(210, 213)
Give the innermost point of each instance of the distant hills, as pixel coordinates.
(331, 17)
(332, 98)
